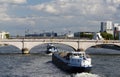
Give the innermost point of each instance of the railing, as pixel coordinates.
(58, 40)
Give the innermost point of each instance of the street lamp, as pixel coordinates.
(78, 42)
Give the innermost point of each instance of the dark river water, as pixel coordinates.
(106, 63)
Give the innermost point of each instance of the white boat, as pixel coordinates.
(51, 49)
(74, 62)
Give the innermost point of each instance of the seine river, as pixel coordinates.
(106, 63)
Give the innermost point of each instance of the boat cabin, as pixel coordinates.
(79, 59)
(78, 55)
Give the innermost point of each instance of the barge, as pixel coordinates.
(51, 49)
(73, 62)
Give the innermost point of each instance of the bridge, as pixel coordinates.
(27, 44)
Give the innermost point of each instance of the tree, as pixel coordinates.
(7, 36)
(85, 35)
(107, 36)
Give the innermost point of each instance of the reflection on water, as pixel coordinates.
(9, 49)
(42, 48)
(102, 51)
(39, 65)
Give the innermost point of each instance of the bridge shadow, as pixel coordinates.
(107, 46)
(104, 49)
(40, 49)
(43, 48)
(9, 49)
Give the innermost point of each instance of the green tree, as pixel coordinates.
(7, 36)
(107, 36)
(85, 35)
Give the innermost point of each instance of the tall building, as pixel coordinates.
(116, 27)
(107, 27)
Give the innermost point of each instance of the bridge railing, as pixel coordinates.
(57, 40)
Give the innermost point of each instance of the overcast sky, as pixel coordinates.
(16, 16)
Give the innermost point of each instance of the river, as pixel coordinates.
(39, 65)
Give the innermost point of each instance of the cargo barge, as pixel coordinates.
(73, 62)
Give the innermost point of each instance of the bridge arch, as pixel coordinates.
(7, 48)
(104, 49)
(89, 43)
(107, 46)
(19, 45)
(43, 47)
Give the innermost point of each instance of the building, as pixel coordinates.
(3, 35)
(45, 34)
(69, 34)
(97, 36)
(112, 28)
(107, 27)
(116, 28)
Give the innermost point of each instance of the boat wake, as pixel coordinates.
(86, 75)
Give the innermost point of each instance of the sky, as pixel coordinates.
(36, 16)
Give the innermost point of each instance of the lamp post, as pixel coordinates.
(78, 42)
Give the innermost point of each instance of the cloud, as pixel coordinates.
(113, 1)
(47, 8)
(78, 7)
(13, 1)
(3, 13)
(59, 14)
(5, 6)
(24, 21)
(50, 9)
(78, 13)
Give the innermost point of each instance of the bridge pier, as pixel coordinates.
(25, 51)
(80, 49)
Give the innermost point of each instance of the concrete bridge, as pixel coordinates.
(27, 44)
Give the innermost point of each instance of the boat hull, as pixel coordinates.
(48, 52)
(65, 67)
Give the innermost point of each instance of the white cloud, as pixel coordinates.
(113, 1)
(3, 13)
(29, 21)
(38, 7)
(18, 21)
(47, 8)
(50, 9)
(78, 13)
(60, 14)
(78, 7)
(13, 1)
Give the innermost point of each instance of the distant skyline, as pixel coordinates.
(16, 16)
